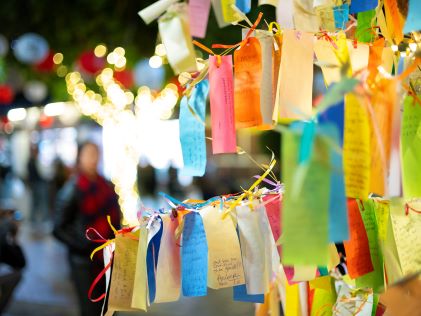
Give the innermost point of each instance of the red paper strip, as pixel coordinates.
(358, 258)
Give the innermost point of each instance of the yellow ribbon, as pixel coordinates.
(249, 191)
(108, 242)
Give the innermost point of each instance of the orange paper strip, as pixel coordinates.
(247, 77)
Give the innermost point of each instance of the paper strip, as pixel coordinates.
(198, 17)
(411, 148)
(175, 35)
(225, 267)
(294, 96)
(156, 9)
(192, 131)
(124, 266)
(140, 289)
(222, 105)
(305, 217)
(194, 256)
(248, 76)
(357, 250)
(356, 156)
(168, 269)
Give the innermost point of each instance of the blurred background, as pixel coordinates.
(59, 65)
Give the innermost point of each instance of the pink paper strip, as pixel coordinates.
(222, 105)
(198, 17)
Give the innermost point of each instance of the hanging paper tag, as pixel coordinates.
(356, 156)
(358, 259)
(229, 14)
(217, 10)
(192, 130)
(362, 5)
(248, 75)
(140, 289)
(198, 17)
(175, 34)
(365, 22)
(394, 20)
(252, 249)
(222, 105)
(406, 223)
(154, 241)
(194, 256)
(338, 218)
(284, 14)
(266, 85)
(411, 148)
(327, 61)
(225, 267)
(305, 18)
(305, 217)
(168, 269)
(326, 18)
(340, 14)
(413, 20)
(375, 278)
(107, 254)
(384, 105)
(295, 81)
(124, 265)
(156, 9)
(273, 208)
(243, 5)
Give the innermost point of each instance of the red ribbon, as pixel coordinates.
(100, 239)
(326, 36)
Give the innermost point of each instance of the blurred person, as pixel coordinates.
(84, 202)
(12, 259)
(60, 176)
(38, 188)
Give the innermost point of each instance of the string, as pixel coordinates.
(410, 208)
(246, 38)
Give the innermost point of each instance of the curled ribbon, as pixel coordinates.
(105, 243)
(249, 191)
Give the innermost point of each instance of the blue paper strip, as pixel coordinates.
(338, 216)
(243, 5)
(152, 262)
(340, 14)
(363, 5)
(307, 140)
(194, 256)
(323, 271)
(240, 294)
(413, 20)
(192, 130)
(335, 115)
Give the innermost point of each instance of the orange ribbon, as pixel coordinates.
(208, 50)
(244, 41)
